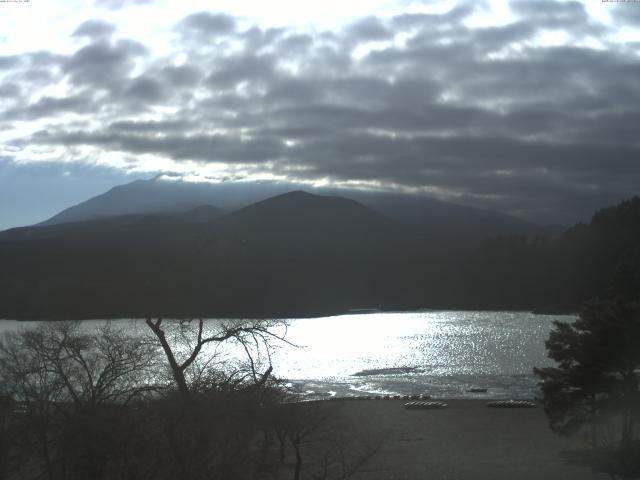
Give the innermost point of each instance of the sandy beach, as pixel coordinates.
(465, 441)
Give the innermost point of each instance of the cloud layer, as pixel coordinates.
(537, 116)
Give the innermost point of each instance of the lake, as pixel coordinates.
(443, 353)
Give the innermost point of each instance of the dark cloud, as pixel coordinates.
(8, 61)
(146, 90)
(158, 126)
(257, 40)
(231, 71)
(208, 24)
(552, 14)
(44, 58)
(183, 75)
(38, 75)
(212, 148)
(484, 115)
(95, 29)
(10, 90)
(550, 9)
(369, 29)
(295, 44)
(490, 39)
(50, 106)
(103, 64)
(626, 13)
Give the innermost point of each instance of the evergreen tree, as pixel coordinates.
(598, 372)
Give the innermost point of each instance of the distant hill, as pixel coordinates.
(159, 195)
(592, 260)
(444, 226)
(301, 254)
(295, 253)
(299, 224)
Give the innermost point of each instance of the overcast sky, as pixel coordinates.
(528, 107)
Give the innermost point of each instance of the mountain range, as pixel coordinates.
(152, 248)
(295, 252)
(442, 224)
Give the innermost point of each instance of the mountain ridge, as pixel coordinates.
(321, 256)
(302, 254)
(443, 224)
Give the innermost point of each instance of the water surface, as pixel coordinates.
(443, 353)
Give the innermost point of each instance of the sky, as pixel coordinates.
(528, 107)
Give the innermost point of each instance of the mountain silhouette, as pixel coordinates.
(160, 195)
(444, 226)
(301, 254)
(299, 224)
(293, 253)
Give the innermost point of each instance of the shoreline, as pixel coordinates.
(284, 316)
(459, 386)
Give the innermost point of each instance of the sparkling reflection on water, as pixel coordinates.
(443, 353)
(449, 352)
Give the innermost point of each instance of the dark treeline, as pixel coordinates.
(304, 255)
(587, 261)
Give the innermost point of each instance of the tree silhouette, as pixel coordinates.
(252, 335)
(598, 372)
(77, 387)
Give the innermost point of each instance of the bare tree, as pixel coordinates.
(90, 414)
(73, 384)
(221, 370)
(324, 444)
(253, 336)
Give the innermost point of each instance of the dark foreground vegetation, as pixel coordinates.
(595, 387)
(304, 255)
(83, 404)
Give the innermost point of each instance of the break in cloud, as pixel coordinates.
(537, 115)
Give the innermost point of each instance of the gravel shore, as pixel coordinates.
(467, 440)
